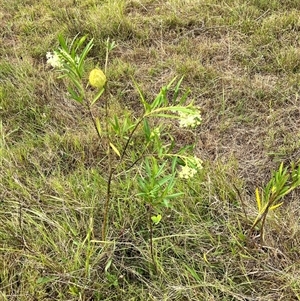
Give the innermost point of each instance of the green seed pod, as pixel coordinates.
(97, 78)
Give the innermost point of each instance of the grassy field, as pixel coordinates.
(241, 62)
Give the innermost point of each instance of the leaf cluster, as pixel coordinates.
(283, 181)
(73, 64)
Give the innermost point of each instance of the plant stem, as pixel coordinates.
(262, 218)
(110, 174)
(262, 228)
(110, 169)
(93, 120)
(129, 138)
(242, 201)
(151, 239)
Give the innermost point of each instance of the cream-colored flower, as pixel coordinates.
(155, 133)
(190, 120)
(97, 78)
(192, 165)
(53, 59)
(187, 172)
(197, 162)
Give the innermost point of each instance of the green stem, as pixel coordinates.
(262, 228)
(110, 169)
(241, 200)
(262, 218)
(110, 175)
(129, 138)
(151, 239)
(94, 122)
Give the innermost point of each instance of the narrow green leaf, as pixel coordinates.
(142, 185)
(146, 105)
(160, 170)
(166, 203)
(174, 164)
(163, 181)
(147, 166)
(115, 124)
(44, 280)
(147, 130)
(176, 90)
(62, 42)
(174, 195)
(98, 125)
(79, 42)
(276, 206)
(281, 167)
(259, 205)
(107, 266)
(184, 97)
(115, 149)
(84, 54)
(74, 95)
(171, 83)
(155, 167)
(73, 46)
(194, 273)
(97, 96)
(157, 101)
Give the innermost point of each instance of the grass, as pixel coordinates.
(241, 61)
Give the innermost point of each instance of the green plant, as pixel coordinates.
(283, 181)
(157, 161)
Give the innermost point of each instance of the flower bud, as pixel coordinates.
(97, 78)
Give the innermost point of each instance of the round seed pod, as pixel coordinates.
(97, 78)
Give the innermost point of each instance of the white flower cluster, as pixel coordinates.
(191, 167)
(189, 120)
(53, 59)
(155, 133)
(187, 172)
(196, 162)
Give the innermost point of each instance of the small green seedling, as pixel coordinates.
(283, 181)
(156, 219)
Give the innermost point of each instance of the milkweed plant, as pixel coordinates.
(157, 170)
